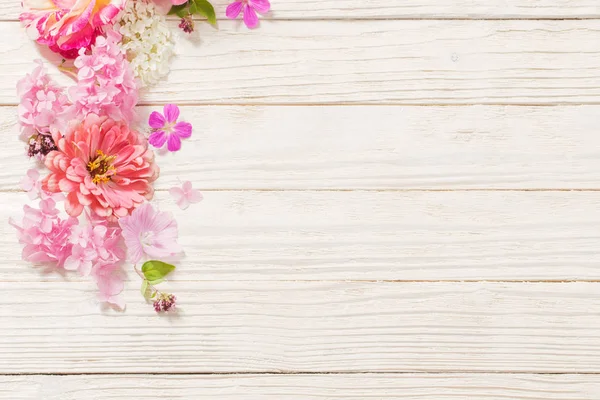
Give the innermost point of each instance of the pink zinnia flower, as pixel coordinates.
(66, 26)
(185, 195)
(249, 9)
(149, 233)
(102, 164)
(166, 129)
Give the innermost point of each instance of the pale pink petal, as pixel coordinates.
(174, 143)
(187, 186)
(183, 202)
(171, 113)
(233, 10)
(178, 2)
(117, 301)
(72, 263)
(262, 6)
(156, 120)
(250, 17)
(183, 129)
(195, 196)
(177, 193)
(85, 268)
(158, 139)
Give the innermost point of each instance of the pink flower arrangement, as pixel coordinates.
(67, 26)
(90, 150)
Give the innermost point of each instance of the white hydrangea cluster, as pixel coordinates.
(147, 40)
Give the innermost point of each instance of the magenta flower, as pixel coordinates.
(149, 233)
(249, 8)
(166, 129)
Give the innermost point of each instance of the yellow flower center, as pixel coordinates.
(101, 168)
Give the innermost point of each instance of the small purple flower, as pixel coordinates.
(40, 145)
(166, 129)
(187, 24)
(165, 302)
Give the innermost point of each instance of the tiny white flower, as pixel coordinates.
(147, 41)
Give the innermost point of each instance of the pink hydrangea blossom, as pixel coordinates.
(249, 8)
(42, 102)
(45, 235)
(185, 195)
(94, 244)
(149, 233)
(32, 184)
(166, 129)
(105, 82)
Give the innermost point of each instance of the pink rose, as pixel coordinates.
(66, 26)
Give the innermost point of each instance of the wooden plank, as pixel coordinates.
(237, 326)
(377, 62)
(266, 236)
(355, 9)
(303, 387)
(366, 147)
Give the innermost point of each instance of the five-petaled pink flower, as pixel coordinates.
(249, 9)
(185, 195)
(166, 129)
(149, 233)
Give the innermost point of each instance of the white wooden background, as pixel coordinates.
(401, 202)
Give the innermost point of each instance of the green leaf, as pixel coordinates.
(181, 11)
(157, 281)
(145, 289)
(203, 7)
(155, 271)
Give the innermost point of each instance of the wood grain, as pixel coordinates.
(368, 147)
(265, 236)
(377, 62)
(355, 9)
(303, 387)
(57, 327)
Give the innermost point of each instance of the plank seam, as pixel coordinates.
(291, 373)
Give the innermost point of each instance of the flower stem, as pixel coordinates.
(158, 292)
